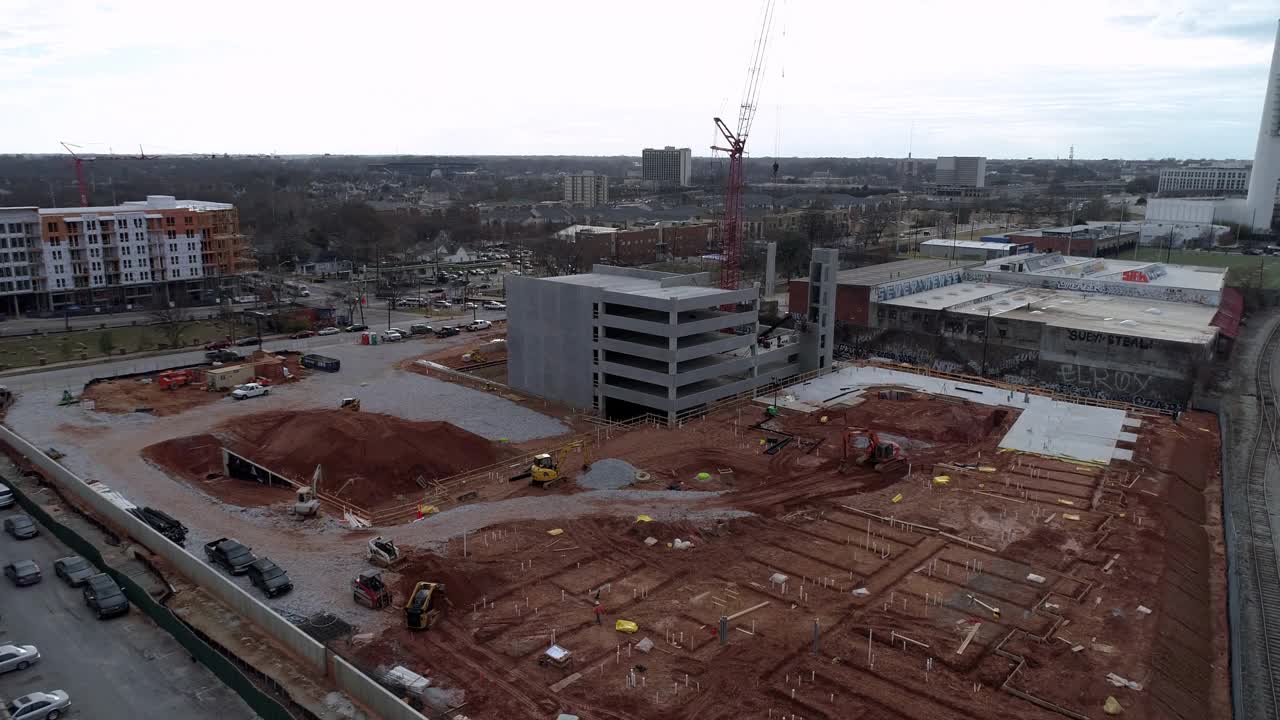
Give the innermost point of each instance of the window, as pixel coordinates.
(173, 247)
(168, 221)
(188, 220)
(191, 233)
(53, 227)
(171, 234)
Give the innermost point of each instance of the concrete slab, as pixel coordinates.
(1122, 454)
(1132, 422)
(1046, 426)
(1127, 437)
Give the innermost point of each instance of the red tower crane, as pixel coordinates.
(731, 224)
(79, 163)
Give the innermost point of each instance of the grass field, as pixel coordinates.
(1245, 267)
(87, 344)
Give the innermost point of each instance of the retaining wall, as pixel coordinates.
(316, 656)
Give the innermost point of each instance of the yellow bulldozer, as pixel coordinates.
(425, 606)
(545, 471)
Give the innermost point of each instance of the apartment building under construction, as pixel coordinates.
(137, 253)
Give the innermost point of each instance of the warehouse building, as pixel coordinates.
(1092, 240)
(1131, 331)
(972, 249)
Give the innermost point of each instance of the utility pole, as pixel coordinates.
(986, 335)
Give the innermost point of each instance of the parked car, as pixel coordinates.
(441, 304)
(356, 328)
(21, 527)
(303, 334)
(23, 572)
(445, 332)
(39, 705)
(402, 333)
(217, 345)
(269, 577)
(74, 570)
(18, 657)
(328, 331)
(246, 342)
(390, 336)
(421, 329)
(478, 325)
(104, 596)
(471, 306)
(6, 496)
(223, 356)
(494, 305)
(248, 390)
(230, 554)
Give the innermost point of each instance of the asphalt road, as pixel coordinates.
(123, 668)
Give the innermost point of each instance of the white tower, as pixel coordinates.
(1266, 158)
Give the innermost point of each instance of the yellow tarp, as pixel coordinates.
(942, 480)
(556, 531)
(643, 518)
(897, 498)
(1064, 501)
(626, 626)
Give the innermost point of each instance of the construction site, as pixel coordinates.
(649, 496)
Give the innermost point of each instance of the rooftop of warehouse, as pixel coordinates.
(985, 245)
(949, 296)
(1172, 321)
(1113, 270)
(649, 283)
(871, 275)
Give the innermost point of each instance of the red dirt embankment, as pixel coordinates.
(370, 457)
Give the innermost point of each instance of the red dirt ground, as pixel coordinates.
(1150, 519)
(369, 457)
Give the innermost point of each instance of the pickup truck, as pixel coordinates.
(230, 554)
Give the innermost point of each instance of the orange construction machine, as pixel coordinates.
(863, 446)
(174, 379)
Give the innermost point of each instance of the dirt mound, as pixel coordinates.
(193, 457)
(465, 582)
(367, 458)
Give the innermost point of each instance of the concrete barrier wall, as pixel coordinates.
(189, 565)
(381, 701)
(347, 678)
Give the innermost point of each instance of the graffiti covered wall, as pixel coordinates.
(1105, 287)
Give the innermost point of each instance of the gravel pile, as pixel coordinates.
(608, 474)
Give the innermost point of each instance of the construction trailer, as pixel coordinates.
(226, 378)
(321, 362)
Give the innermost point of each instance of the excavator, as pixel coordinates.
(545, 470)
(863, 446)
(308, 504)
(369, 590)
(424, 607)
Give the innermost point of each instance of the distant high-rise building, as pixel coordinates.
(668, 167)
(1211, 179)
(1260, 206)
(586, 189)
(956, 171)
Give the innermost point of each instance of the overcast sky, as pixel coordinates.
(1116, 78)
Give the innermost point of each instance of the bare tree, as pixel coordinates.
(876, 218)
(172, 321)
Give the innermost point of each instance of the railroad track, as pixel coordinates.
(1262, 548)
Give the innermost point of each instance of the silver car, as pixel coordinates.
(40, 705)
(74, 570)
(17, 657)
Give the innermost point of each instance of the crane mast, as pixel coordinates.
(736, 145)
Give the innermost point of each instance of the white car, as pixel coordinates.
(494, 305)
(249, 390)
(40, 705)
(17, 657)
(328, 331)
(471, 306)
(479, 325)
(391, 336)
(402, 333)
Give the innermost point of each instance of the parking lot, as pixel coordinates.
(125, 668)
